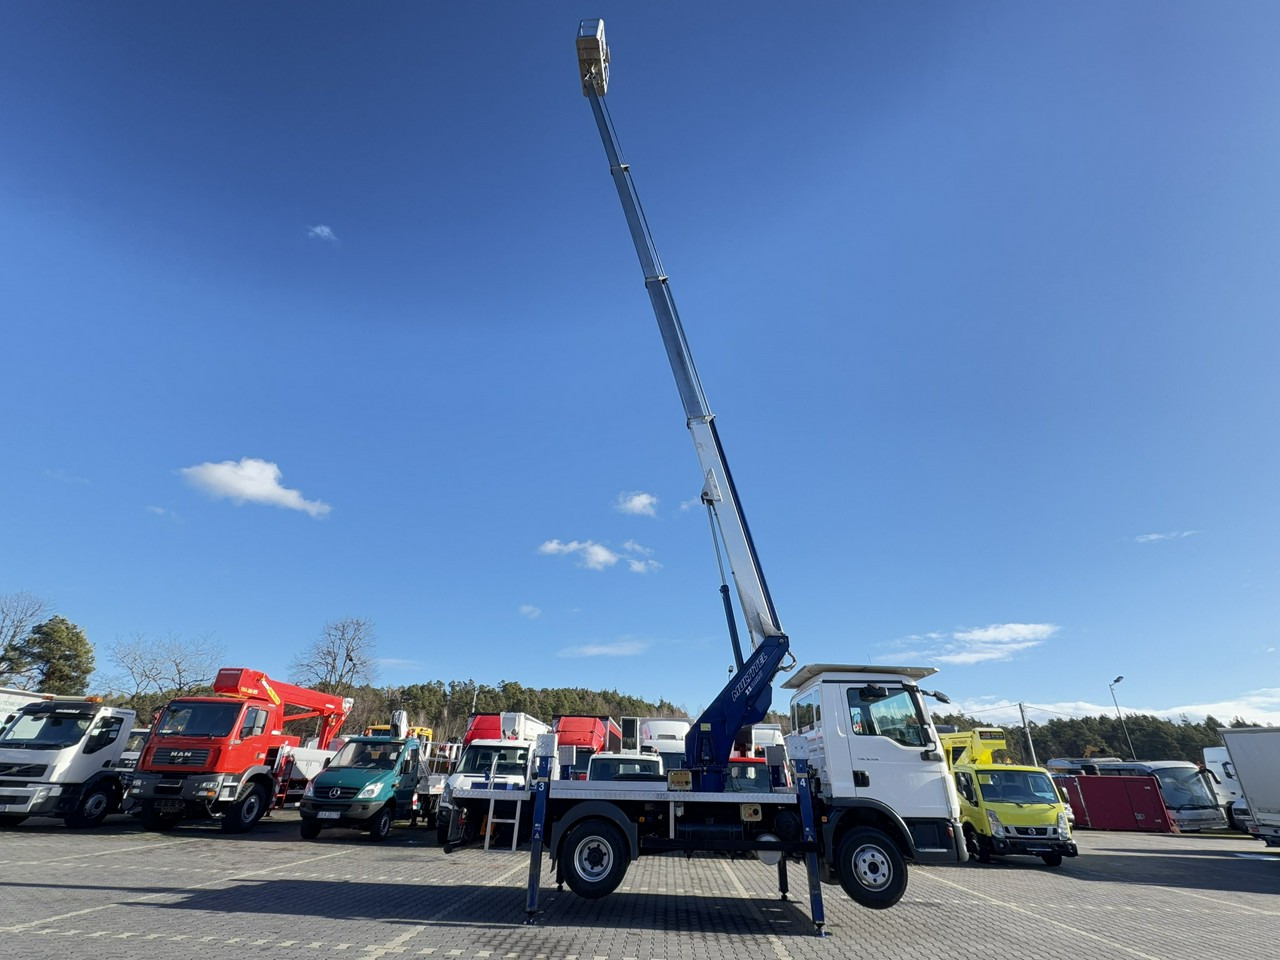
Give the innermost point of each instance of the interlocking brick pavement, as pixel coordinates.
(194, 892)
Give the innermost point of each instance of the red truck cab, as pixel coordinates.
(227, 757)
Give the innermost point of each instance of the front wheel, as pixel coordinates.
(979, 847)
(92, 809)
(595, 859)
(380, 825)
(246, 811)
(1051, 859)
(10, 819)
(871, 868)
(309, 829)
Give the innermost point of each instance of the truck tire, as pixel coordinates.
(594, 857)
(442, 829)
(244, 814)
(978, 846)
(380, 824)
(1051, 859)
(154, 820)
(10, 819)
(93, 807)
(309, 829)
(871, 868)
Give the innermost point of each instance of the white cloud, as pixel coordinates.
(164, 512)
(321, 232)
(530, 611)
(596, 556)
(1172, 535)
(1256, 706)
(64, 476)
(250, 481)
(619, 648)
(998, 641)
(638, 503)
(592, 555)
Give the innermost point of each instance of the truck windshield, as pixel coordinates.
(512, 761)
(46, 731)
(894, 715)
(363, 755)
(195, 719)
(1017, 786)
(1184, 788)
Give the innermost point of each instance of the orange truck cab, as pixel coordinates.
(227, 757)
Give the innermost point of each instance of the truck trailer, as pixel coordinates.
(1255, 757)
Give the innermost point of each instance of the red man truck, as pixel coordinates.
(227, 757)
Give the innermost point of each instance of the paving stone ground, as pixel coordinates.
(119, 892)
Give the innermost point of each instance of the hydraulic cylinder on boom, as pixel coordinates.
(747, 697)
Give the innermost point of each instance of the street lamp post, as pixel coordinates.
(1120, 717)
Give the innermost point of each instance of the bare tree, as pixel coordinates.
(19, 614)
(169, 665)
(341, 659)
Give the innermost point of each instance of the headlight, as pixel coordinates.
(41, 794)
(1064, 825)
(997, 828)
(369, 792)
(310, 790)
(207, 785)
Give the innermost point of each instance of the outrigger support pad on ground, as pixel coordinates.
(541, 781)
(811, 841)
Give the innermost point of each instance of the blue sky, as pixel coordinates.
(315, 311)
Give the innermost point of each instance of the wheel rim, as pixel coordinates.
(872, 867)
(593, 858)
(249, 812)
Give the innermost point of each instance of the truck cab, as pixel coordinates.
(60, 757)
(879, 772)
(497, 754)
(1005, 809)
(369, 783)
(625, 766)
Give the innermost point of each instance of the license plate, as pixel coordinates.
(328, 815)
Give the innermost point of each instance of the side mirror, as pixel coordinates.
(327, 761)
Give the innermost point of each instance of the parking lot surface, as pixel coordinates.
(194, 892)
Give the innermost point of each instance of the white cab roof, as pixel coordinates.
(841, 671)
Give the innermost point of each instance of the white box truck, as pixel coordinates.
(1255, 757)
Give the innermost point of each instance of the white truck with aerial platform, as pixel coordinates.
(871, 789)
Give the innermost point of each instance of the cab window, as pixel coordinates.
(806, 712)
(876, 711)
(255, 722)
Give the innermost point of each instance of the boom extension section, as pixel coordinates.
(747, 697)
(242, 683)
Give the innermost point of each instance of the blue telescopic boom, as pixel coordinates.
(747, 697)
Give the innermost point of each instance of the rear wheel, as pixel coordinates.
(871, 868)
(92, 808)
(309, 829)
(246, 811)
(380, 824)
(1051, 859)
(595, 859)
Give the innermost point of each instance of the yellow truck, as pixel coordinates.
(1005, 809)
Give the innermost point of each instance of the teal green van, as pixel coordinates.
(370, 782)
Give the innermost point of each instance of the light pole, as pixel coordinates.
(475, 692)
(1120, 717)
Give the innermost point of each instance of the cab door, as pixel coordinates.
(407, 781)
(891, 751)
